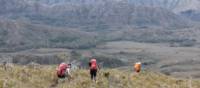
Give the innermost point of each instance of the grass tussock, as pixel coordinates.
(45, 77)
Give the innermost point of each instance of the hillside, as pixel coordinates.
(44, 77)
(19, 35)
(174, 61)
(28, 24)
(90, 14)
(174, 5)
(163, 34)
(80, 25)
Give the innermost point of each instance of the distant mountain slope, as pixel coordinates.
(85, 23)
(17, 35)
(85, 13)
(68, 8)
(175, 5)
(185, 5)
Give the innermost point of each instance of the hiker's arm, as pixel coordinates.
(68, 71)
(89, 64)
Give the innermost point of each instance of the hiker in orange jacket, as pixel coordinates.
(93, 69)
(137, 67)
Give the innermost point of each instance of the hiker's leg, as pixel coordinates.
(95, 74)
(91, 74)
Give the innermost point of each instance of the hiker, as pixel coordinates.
(93, 69)
(4, 65)
(137, 67)
(63, 70)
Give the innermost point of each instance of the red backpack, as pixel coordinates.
(93, 64)
(61, 69)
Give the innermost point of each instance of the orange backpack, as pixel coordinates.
(137, 67)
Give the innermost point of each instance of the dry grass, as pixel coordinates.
(44, 77)
(176, 61)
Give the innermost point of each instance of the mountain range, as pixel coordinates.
(91, 21)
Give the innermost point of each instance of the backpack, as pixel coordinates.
(93, 64)
(62, 69)
(60, 72)
(137, 66)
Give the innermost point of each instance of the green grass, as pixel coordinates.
(45, 77)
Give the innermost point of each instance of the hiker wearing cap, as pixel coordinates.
(93, 69)
(137, 67)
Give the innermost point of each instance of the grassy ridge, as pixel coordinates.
(44, 77)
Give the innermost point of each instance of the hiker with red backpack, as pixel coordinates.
(63, 70)
(93, 69)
